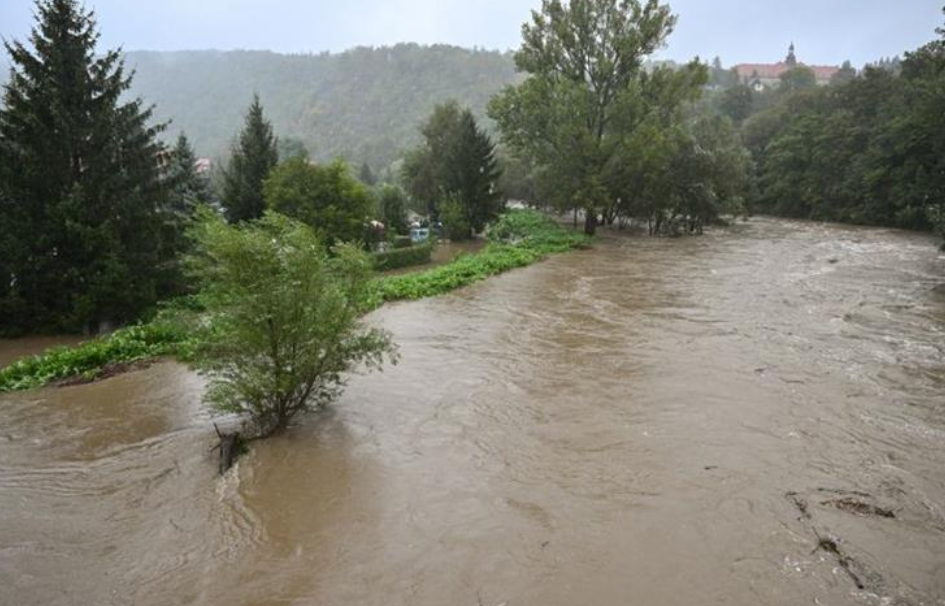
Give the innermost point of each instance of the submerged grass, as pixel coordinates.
(92, 358)
(518, 238)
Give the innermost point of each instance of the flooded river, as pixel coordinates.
(665, 422)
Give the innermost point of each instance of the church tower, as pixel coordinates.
(791, 60)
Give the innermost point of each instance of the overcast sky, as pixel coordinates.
(825, 31)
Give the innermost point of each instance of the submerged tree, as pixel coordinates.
(585, 62)
(254, 156)
(80, 183)
(283, 318)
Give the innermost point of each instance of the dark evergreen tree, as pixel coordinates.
(366, 176)
(473, 173)
(254, 157)
(186, 189)
(80, 183)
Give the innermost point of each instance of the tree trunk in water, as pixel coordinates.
(230, 447)
(590, 223)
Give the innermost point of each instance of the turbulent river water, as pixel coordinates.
(756, 416)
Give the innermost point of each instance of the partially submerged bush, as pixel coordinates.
(532, 228)
(283, 318)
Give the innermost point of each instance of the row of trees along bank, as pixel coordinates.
(867, 149)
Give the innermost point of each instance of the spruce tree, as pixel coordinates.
(366, 176)
(80, 185)
(474, 173)
(253, 158)
(186, 189)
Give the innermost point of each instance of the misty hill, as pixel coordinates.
(364, 104)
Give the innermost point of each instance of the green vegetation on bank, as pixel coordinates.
(518, 238)
(90, 359)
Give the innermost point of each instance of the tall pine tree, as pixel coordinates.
(474, 173)
(186, 189)
(253, 159)
(80, 185)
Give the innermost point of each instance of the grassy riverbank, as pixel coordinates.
(518, 239)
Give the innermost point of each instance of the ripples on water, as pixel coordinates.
(608, 427)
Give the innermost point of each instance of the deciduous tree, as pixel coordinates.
(584, 61)
(325, 197)
(283, 323)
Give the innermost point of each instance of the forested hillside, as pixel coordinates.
(364, 104)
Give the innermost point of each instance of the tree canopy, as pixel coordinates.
(457, 163)
(584, 62)
(80, 185)
(325, 197)
(253, 157)
(284, 318)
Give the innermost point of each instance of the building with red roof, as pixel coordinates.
(768, 75)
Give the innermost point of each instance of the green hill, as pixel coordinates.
(364, 104)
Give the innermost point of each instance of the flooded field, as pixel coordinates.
(756, 416)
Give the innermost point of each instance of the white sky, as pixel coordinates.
(825, 31)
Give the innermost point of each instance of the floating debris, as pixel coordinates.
(856, 507)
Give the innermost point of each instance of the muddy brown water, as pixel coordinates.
(12, 350)
(609, 427)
